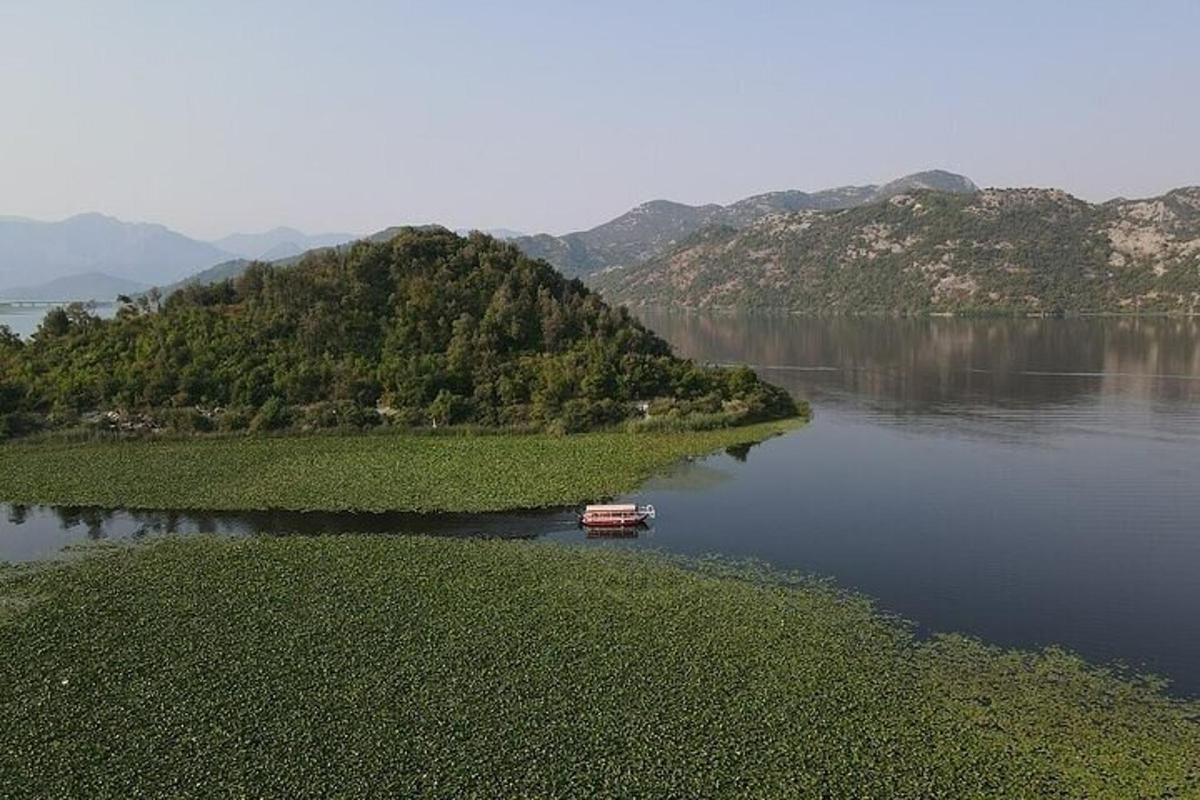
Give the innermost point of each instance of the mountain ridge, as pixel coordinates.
(278, 242)
(1023, 250)
(650, 228)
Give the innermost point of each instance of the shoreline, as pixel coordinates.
(682, 310)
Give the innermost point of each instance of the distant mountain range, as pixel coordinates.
(928, 242)
(33, 252)
(926, 251)
(88, 286)
(652, 228)
(93, 256)
(278, 243)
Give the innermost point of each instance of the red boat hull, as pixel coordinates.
(632, 521)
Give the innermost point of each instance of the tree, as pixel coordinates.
(55, 323)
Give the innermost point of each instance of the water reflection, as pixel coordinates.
(918, 364)
(1014, 379)
(40, 532)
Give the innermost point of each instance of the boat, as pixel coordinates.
(622, 515)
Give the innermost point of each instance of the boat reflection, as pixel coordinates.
(614, 533)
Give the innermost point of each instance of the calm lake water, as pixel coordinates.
(24, 321)
(1029, 482)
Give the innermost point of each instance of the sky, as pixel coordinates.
(215, 117)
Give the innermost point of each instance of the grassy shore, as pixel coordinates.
(383, 472)
(414, 667)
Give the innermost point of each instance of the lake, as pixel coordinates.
(24, 321)
(1029, 482)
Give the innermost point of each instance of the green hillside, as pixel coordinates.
(422, 328)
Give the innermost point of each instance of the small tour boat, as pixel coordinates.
(623, 515)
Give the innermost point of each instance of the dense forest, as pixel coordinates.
(998, 251)
(425, 329)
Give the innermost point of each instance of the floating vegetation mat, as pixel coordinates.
(381, 472)
(418, 667)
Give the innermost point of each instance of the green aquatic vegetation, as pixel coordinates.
(384, 472)
(415, 667)
(1112, 737)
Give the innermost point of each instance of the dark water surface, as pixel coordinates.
(1029, 482)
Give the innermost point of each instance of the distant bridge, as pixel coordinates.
(14, 304)
(30, 303)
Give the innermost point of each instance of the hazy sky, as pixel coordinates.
(215, 116)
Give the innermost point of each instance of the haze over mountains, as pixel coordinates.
(93, 256)
(34, 252)
(281, 242)
(89, 285)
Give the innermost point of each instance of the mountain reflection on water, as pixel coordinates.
(915, 363)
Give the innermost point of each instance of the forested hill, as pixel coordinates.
(423, 328)
(653, 228)
(1000, 250)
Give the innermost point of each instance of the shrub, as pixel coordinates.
(681, 423)
(580, 415)
(184, 420)
(236, 418)
(404, 417)
(338, 414)
(20, 424)
(272, 416)
(448, 408)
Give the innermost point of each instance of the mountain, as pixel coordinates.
(922, 251)
(654, 227)
(87, 286)
(428, 326)
(32, 252)
(278, 243)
